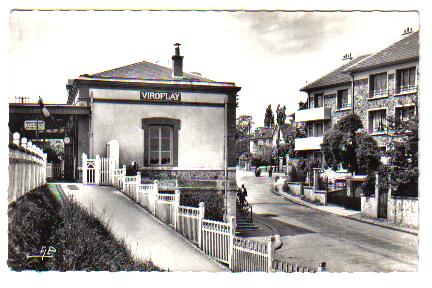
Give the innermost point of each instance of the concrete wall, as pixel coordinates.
(295, 188)
(314, 196)
(403, 210)
(369, 206)
(198, 149)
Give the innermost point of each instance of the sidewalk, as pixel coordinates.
(351, 214)
(147, 237)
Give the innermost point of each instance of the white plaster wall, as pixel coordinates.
(127, 94)
(201, 137)
(404, 211)
(369, 206)
(295, 189)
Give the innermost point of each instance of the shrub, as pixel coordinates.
(285, 187)
(214, 203)
(82, 242)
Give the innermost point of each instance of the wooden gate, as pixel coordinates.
(106, 171)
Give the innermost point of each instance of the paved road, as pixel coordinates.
(146, 237)
(311, 236)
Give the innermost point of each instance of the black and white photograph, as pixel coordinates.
(214, 140)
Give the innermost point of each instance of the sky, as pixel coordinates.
(270, 55)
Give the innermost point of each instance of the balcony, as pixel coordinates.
(313, 114)
(310, 143)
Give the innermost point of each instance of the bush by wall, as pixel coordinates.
(81, 241)
(213, 200)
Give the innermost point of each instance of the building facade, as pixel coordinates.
(174, 125)
(376, 87)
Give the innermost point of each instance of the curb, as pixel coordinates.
(302, 203)
(276, 234)
(184, 239)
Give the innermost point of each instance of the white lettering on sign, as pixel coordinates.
(31, 125)
(160, 96)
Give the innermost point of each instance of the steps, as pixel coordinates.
(243, 224)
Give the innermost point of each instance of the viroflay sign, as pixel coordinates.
(160, 96)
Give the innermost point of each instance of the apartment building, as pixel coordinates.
(375, 87)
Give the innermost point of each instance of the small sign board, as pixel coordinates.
(160, 96)
(31, 125)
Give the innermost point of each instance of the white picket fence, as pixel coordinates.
(27, 167)
(215, 238)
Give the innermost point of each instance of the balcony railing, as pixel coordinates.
(344, 106)
(313, 114)
(407, 89)
(379, 93)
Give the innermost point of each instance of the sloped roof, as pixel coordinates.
(335, 77)
(145, 71)
(404, 50)
(263, 132)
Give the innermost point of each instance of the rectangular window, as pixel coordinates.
(319, 100)
(406, 80)
(342, 99)
(377, 121)
(311, 102)
(319, 129)
(403, 114)
(378, 85)
(160, 145)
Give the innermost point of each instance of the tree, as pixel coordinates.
(263, 155)
(280, 118)
(401, 168)
(243, 129)
(344, 145)
(269, 120)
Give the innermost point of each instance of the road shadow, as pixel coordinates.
(282, 228)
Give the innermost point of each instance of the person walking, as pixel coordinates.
(270, 171)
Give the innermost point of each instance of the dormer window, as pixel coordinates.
(406, 80)
(378, 85)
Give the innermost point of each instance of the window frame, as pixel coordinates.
(161, 121)
(338, 98)
(410, 87)
(371, 121)
(171, 132)
(373, 93)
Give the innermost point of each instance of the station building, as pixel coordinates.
(171, 123)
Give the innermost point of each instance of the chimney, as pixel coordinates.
(177, 61)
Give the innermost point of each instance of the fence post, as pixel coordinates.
(138, 182)
(97, 169)
(201, 214)
(232, 223)
(176, 208)
(84, 168)
(376, 195)
(16, 138)
(322, 267)
(270, 251)
(316, 172)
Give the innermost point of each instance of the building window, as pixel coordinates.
(378, 85)
(377, 121)
(342, 99)
(403, 114)
(160, 145)
(406, 80)
(315, 129)
(160, 141)
(316, 101)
